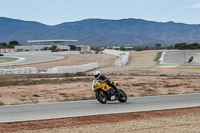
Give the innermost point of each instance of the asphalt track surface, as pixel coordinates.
(180, 57)
(30, 59)
(33, 112)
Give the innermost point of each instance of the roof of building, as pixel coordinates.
(53, 41)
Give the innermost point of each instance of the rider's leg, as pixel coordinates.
(112, 85)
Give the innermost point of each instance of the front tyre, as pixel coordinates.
(101, 96)
(122, 97)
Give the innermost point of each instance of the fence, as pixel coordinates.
(87, 52)
(24, 70)
(42, 53)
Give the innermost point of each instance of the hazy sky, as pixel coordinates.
(53, 12)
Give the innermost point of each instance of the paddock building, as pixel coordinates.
(38, 45)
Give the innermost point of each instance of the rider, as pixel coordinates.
(190, 59)
(103, 78)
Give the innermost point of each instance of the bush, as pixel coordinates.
(187, 46)
(1, 103)
(54, 48)
(81, 74)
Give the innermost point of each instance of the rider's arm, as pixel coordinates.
(104, 78)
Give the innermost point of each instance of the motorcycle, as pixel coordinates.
(104, 93)
(190, 59)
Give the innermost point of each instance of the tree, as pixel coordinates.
(170, 47)
(45, 48)
(12, 44)
(3, 44)
(158, 45)
(54, 48)
(122, 48)
(194, 46)
(181, 46)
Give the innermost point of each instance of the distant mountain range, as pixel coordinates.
(102, 32)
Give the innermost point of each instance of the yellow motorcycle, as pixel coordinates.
(104, 92)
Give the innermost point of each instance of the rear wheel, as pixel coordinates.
(101, 96)
(122, 97)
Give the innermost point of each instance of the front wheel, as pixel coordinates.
(122, 97)
(101, 96)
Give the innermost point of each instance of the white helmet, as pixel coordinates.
(97, 74)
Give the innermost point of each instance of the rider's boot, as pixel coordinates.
(116, 93)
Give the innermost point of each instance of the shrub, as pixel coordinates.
(81, 74)
(1, 103)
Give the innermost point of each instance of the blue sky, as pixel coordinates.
(53, 12)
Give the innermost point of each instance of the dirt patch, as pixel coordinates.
(79, 88)
(180, 70)
(179, 120)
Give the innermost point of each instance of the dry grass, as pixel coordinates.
(79, 88)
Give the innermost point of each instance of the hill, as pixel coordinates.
(102, 32)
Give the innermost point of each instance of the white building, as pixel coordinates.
(116, 47)
(6, 50)
(83, 47)
(38, 45)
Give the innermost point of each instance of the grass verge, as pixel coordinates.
(8, 59)
(158, 56)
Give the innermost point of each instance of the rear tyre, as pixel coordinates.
(101, 96)
(122, 97)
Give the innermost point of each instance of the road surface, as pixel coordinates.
(33, 112)
(180, 57)
(30, 59)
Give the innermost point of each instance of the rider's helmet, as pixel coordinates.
(97, 74)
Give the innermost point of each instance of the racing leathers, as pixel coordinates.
(105, 79)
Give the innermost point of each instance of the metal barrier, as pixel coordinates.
(123, 56)
(24, 70)
(72, 69)
(42, 53)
